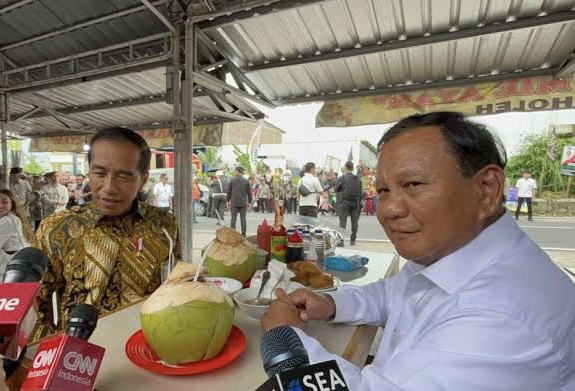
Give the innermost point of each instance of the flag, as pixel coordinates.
(350, 155)
(253, 145)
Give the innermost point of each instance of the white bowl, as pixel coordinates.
(253, 311)
(228, 285)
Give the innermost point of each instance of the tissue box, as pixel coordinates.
(345, 263)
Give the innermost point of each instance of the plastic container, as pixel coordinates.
(306, 238)
(264, 238)
(278, 238)
(318, 241)
(294, 247)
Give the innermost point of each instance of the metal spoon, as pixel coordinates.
(265, 278)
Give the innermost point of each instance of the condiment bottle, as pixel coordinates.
(278, 240)
(264, 234)
(294, 247)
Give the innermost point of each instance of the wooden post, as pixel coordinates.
(569, 185)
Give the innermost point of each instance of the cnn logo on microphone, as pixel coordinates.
(9, 304)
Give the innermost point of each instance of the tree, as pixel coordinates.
(210, 158)
(32, 166)
(533, 157)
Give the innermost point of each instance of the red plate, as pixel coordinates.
(140, 353)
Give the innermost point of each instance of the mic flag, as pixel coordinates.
(316, 377)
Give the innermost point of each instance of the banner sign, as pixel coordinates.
(568, 161)
(203, 135)
(516, 95)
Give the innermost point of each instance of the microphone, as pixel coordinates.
(68, 362)
(17, 294)
(286, 362)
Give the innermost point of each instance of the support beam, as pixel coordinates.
(15, 5)
(244, 10)
(4, 119)
(183, 144)
(212, 83)
(87, 23)
(417, 87)
(206, 40)
(96, 74)
(159, 15)
(29, 114)
(223, 114)
(36, 113)
(8, 61)
(567, 70)
(560, 17)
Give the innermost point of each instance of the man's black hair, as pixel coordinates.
(349, 165)
(308, 167)
(471, 144)
(127, 135)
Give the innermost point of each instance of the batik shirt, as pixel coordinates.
(104, 261)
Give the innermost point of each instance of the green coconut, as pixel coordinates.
(187, 321)
(231, 255)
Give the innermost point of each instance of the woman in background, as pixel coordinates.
(15, 233)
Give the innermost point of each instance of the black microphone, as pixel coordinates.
(286, 362)
(26, 266)
(82, 321)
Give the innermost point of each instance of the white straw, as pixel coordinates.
(202, 259)
(171, 250)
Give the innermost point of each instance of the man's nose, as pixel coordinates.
(109, 184)
(393, 205)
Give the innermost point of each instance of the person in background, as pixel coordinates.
(163, 194)
(526, 188)
(289, 190)
(196, 195)
(109, 252)
(349, 186)
(21, 189)
(219, 191)
(15, 232)
(308, 203)
(478, 306)
(264, 194)
(35, 204)
(239, 198)
(54, 196)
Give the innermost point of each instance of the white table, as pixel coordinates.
(117, 373)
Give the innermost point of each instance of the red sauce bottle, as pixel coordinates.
(264, 235)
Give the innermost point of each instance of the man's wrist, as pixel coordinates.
(333, 306)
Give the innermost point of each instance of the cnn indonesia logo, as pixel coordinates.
(76, 364)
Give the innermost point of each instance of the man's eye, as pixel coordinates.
(99, 173)
(413, 184)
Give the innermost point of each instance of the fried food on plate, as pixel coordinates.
(306, 273)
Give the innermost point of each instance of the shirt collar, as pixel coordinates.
(95, 215)
(452, 272)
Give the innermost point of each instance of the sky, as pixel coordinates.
(298, 122)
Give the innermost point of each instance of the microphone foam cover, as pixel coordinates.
(29, 260)
(87, 313)
(282, 349)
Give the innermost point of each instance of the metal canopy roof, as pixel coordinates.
(343, 48)
(78, 65)
(74, 66)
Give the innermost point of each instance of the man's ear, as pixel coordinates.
(145, 178)
(489, 183)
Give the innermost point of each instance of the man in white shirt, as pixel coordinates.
(526, 187)
(163, 193)
(53, 195)
(308, 203)
(478, 306)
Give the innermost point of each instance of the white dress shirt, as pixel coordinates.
(11, 239)
(164, 193)
(495, 315)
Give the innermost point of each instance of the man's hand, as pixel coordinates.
(313, 306)
(282, 312)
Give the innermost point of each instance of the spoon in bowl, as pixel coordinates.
(259, 301)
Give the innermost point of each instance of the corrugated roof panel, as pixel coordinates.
(129, 86)
(134, 115)
(341, 25)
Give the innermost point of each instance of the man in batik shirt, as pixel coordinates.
(109, 252)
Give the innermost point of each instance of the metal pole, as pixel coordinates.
(183, 149)
(4, 109)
